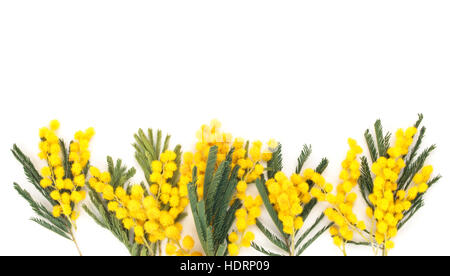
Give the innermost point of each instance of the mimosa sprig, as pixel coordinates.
(61, 182)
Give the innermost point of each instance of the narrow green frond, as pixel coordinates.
(65, 159)
(275, 164)
(308, 208)
(210, 168)
(416, 146)
(419, 120)
(31, 172)
(272, 237)
(414, 167)
(212, 190)
(51, 228)
(272, 213)
(310, 241)
(222, 250)
(387, 141)
(263, 250)
(360, 243)
(210, 242)
(309, 230)
(382, 150)
(434, 180)
(371, 145)
(410, 213)
(365, 180)
(304, 155)
(94, 217)
(322, 165)
(158, 143)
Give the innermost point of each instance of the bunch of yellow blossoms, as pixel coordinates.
(207, 136)
(152, 217)
(250, 168)
(289, 195)
(341, 210)
(245, 217)
(66, 189)
(183, 249)
(388, 201)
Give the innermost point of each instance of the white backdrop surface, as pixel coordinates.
(313, 72)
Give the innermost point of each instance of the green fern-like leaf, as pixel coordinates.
(263, 250)
(272, 237)
(304, 155)
(310, 241)
(275, 164)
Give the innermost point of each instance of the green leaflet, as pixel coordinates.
(263, 250)
(307, 232)
(31, 173)
(275, 164)
(304, 155)
(365, 181)
(210, 168)
(371, 145)
(52, 228)
(310, 241)
(381, 141)
(260, 185)
(272, 237)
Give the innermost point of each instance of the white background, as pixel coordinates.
(299, 71)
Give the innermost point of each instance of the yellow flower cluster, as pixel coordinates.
(289, 195)
(341, 210)
(207, 136)
(65, 189)
(250, 167)
(183, 249)
(389, 202)
(175, 199)
(152, 217)
(234, 245)
(245, 217)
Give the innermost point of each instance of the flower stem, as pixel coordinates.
(75, 242)
(293, 244)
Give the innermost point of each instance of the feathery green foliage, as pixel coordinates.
(313, 239)
(365, 181)
(275, 164)
(371, 145)
(213, 215)
(149, 149)
(304, 155)
(272, 237)
(59, 225)
(263, 250)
